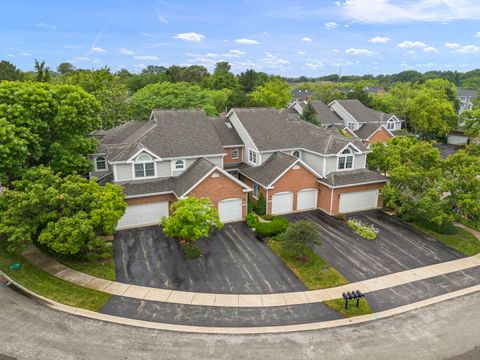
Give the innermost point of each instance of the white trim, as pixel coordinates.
(115, 176)
(95, 162)
(349, 144)
(134, 177)
(233, 146)
(256, 157)
(173, 165)
(352, 154)
(350, 132)
(177, 157)
(143, 149)
(150, 194)
(353, 185)
(243, 127)
(385, 128)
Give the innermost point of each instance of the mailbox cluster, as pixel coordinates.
(354, 295)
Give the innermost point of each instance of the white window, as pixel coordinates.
(179, 165)
(391, 125)
(100, 163)
(345, 160)
(256, 190)
(144, 166)
(234, 153)
(351, 125)
(296, 153)
(252, 156)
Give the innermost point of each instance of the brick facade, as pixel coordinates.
(227, 159)
(218, 187)
(380, 135)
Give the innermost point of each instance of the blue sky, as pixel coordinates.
(290, 38)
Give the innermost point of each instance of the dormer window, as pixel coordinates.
(180, 165)
(100, 163)
(345, 160)
(252, 156)
(351, 126)
(391, 124)
(144, 166)
(296, 153)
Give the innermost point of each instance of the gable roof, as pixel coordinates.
(325, 115)
(362, 113)
(368, 129)
(270, 170)
(467, 93)
(228, 135)
(353, 177)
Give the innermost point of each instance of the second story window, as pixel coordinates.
(101, 163)
(256, 190)
(180, 165)
(351, 126)
(252, 156)
(144, 166)
(345, 160)
(234, 153)
(391, 125)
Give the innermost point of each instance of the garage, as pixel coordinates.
(307, 199)
(143, 215)
(282, 203)
(230, 210)
(358, 200)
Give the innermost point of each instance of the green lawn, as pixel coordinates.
(462, 241)
(315, 274)
(50, 286)
(339, 306)
(473, 224)
(104, 270)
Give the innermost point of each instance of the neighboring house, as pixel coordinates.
(376, 90)
(466, 99)
(354, 117)
(180, 153)
(458, 137)
(300, 94)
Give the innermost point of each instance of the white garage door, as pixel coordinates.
(307, 199)
(143, 215)
(359, 200)
(230, 210)
(282, 203)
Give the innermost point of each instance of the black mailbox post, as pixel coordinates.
(352, 296)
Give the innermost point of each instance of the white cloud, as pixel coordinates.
(315, 65)
(379, 39)
(247, 41)
(125, 51)
(411, 52)
(429, 49)
(330, 25)
(145, 57)
(477, 34)
(80, 58)
(301, 52)
(467, 49)
(353, 51)
(411, 44)
(273, 61)
(26, 54)
(389, 11)
(191, 36)
(234, 53)
(97, 49)
(147, 34)
(162, 19)
(307, 39)
(452, 45)
(46, 26)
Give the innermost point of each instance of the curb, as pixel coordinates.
(239, 330)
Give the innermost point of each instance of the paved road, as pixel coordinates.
(233, 261)
(398, 246)
(443, 331)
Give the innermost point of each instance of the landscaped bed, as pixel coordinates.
(50, 286)
(339, 306)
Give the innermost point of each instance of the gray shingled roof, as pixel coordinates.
(363, 113)
(353, 177)
(467, 93)
(192, 175)
(228, 135)
(325, 115)
(366, 130)
(271, 132)
(271, 169)
(145, 187)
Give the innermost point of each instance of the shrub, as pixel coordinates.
(268, 217)
(299, 237)
(251, 220)
(366, 231)
(261, 205)
(447, 229)
(249, 204)
(190, 250)
(272, 228)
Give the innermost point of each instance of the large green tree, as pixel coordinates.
(223, 79)
(300, 236)
(309, 114)
(64, 214)
(168, 95)
(9, 72)
(274, 92)
(53, 121)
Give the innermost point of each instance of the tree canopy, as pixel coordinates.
(275, 92)
(309, 114)
(9, 72)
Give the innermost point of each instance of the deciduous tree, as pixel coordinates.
(274, 92)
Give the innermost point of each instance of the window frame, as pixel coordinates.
(251, 155)
(391, 123)
(105, 161)
(342, 159)
(183, 164)
(236, 156)
(144, 163)
(256, 190)
(353, 126)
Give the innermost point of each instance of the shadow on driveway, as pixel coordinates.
(233, 261)
(398, 246)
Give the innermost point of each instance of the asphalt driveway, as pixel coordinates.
(233, 261)
(398, 246)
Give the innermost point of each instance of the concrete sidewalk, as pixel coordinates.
(46, 263)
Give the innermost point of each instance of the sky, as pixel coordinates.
(289, 38)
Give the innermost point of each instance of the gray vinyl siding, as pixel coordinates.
(314, 161)
(345, 115)
(358, 163)
(163, 168)
(331, 165)
(123, 172)
(244, 136)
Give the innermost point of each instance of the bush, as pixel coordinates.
(249, 204)
(447, 229)
(261, 205)
(366, 231)
(190, 250)
(299, 237)
(275, 227)
(251, 220)
(268, 217)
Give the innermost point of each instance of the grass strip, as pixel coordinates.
(339, 306)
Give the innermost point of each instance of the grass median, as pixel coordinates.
(50, 286)
(104, 269)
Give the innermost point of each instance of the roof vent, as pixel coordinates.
(228, 125)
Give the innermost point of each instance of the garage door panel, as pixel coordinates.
(282, 203)
(307, 199)
(230, 210)
(143, 215)
(358, 200)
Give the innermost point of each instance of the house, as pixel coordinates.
(180, 153)
(353, 117)
(466, 99)
(376, 90)
(457, 137)
(301, 94)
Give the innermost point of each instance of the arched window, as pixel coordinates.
(100, 163)
(391, 124)
(345, 160)
(180, 165)
(144, 166)
(296, 153)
